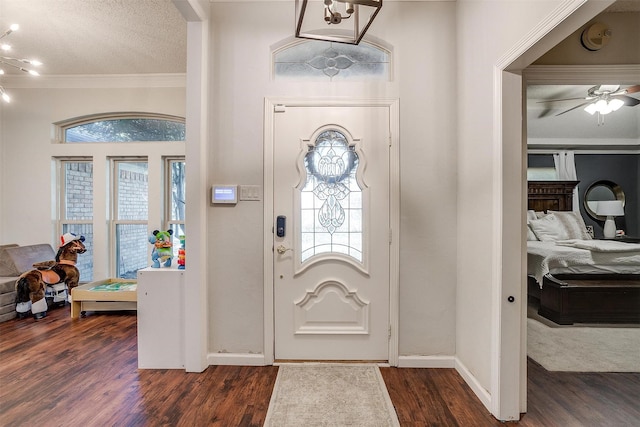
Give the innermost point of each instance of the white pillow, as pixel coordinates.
(531, 214)
(548, 229)
(530, 234)
(573, 224)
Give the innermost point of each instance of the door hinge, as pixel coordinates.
(389, 140)
(390, 235)
(279, 108)
(389, 331)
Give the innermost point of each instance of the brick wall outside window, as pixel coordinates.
(133, 205)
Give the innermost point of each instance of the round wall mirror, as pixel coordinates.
(601, 190)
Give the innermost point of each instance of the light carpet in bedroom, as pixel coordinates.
(584, 349)
(311, 394)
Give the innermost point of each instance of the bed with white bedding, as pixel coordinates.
(596, 257)
(585, 281)
(572, 276)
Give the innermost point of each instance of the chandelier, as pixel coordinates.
(339, 21)
(13, 62)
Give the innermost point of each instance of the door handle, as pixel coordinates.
(282, 249)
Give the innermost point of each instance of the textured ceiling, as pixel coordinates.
(97, 36)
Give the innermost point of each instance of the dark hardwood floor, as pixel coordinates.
(59, 372)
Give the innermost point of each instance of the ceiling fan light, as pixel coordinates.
(615, 104)
(605, 110)
(591, 109)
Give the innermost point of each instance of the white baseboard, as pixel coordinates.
(426, 362)
(448, 362)
(237, 359)
(476, 387)
(247, 359)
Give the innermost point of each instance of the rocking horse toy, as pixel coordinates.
(50, 279)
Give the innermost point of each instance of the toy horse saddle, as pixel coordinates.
(49, 276)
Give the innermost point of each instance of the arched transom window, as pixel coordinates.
(320, 60)
(131, 127)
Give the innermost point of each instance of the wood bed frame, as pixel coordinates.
(84, 299)
(584, 298)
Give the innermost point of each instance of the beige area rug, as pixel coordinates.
(317, 394)
(584, 349)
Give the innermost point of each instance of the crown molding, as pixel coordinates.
(595, 145)
(582, 74)
(95, 81)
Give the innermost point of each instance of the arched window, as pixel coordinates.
(320, 60)
(96, 140)
(127, 127)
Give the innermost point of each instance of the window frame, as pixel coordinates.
(113, 220)
(104, 260)
(61, 127)
(62, 206)
(169, 223)
(62, 221)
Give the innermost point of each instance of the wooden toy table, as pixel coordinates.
(104, 295)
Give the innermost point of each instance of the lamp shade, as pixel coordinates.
(610, 208)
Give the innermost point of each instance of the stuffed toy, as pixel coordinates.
(162, 248)
(51, 279)
(182, 258)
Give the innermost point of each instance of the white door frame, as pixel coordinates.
(508, 388)
(271, 107)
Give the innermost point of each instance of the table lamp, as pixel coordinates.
(610, 209)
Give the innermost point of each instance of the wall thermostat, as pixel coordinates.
(227, 194)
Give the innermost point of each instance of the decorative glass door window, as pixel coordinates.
(331, 199)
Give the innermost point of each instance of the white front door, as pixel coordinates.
(331, 245)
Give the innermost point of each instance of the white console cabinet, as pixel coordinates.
(160, 318)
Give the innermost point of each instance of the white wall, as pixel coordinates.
(486, 32)
(423, 39)
(27, 148)
(488, 326)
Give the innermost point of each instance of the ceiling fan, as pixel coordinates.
(603, 99)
